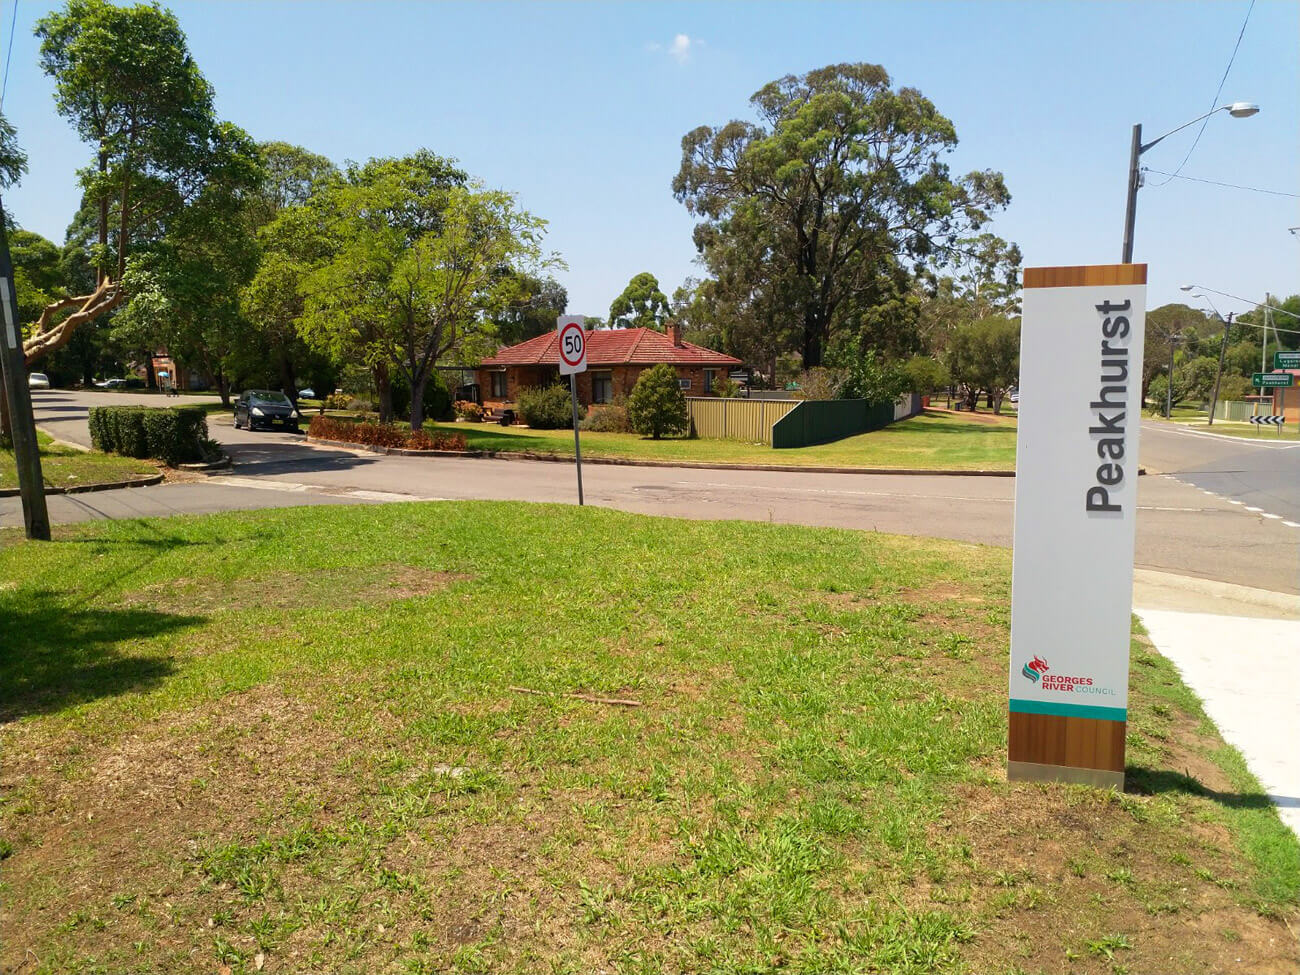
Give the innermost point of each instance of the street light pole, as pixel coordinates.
(1236, 110)
(1130, 211)
(1218, 376)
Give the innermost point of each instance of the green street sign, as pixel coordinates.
(1269, 380)
(1286, 360)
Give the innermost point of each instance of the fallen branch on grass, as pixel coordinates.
(620, 701)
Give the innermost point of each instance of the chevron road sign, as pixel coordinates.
(1276, 421)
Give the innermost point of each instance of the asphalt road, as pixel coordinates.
(1181, 528)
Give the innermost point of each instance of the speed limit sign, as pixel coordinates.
(573, 343)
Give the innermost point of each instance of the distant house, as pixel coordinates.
(1286, 399)
(615, 358)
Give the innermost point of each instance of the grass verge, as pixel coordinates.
(1248, 431)
(932, 440)
(63, 465)
(384, 739)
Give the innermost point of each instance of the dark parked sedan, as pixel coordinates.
(262, 408)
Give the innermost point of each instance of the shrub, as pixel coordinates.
(657, 405)
(547, 409)
(725, 387)
(174, 435)
(469, 410)
(607, 419)
(383, 435)
(338, 401)
(820, 383)
(437, 398)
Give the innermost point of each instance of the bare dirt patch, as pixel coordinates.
(1041, 853)
(331, 588)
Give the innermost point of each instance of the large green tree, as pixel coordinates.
(839, 182)
(419, 262)
(126, 81)
(1176, 323)
(985, 357)
(272, 302)
(185, 286)
(641, 305)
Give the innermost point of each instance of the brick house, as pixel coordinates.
(615, 358)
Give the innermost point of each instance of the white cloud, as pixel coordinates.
(680, 49)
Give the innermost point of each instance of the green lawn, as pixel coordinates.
(65, 466)
(351, 740)
(932, 440)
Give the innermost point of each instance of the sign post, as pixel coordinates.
(572, 334)
(1081, 339)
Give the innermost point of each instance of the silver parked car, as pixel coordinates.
(38, 380)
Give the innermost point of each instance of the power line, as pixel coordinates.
(1215, 182)
(1217, 92)
(9, 53)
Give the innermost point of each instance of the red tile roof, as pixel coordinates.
(612, 347)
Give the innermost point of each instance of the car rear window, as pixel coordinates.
(265, 396)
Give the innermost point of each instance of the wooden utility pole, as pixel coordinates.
(22, 423)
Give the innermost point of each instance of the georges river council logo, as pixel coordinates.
(1035, 669)
(1038, 672)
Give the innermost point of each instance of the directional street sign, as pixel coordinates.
(1270, 380)
(1286, 360)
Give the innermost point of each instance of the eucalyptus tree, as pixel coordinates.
(839, 181)
(641, 304)
(125, 79)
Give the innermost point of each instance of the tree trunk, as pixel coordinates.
(288, 380)
(417, 400)
(103, 219)
(124, 222)
(6, 434)
(384, 387)
(812, 341)
(223, 388)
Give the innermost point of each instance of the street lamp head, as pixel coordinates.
(1242, 109)
(1187, 287)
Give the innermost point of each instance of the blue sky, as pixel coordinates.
(579, 108)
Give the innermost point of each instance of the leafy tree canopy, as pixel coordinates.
(13, 161)
(985, 356)
(810, 208)
(641, 305)
(657, 406)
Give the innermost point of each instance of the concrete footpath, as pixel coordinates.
(1239, 650)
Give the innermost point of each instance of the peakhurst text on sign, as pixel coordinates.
(1076, 499)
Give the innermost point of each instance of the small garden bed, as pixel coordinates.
(388, 435)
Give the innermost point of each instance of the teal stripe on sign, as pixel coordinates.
(1069, 710)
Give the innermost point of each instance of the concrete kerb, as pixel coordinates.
(626, 462)
(147, 481)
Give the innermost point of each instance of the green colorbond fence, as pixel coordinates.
(822, 421)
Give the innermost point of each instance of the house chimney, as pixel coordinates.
(675, 333)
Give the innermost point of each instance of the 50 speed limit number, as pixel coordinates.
(571, 330)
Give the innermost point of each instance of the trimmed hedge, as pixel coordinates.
(173, 435)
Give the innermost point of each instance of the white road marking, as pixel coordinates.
(1267, 515)
(1291, 524)
(292, 487)
(1253, 510)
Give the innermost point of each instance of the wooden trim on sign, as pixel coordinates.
(1090, 275)
(1049, 739)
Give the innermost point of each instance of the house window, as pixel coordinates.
(684, 384)
(602, 387)
(498, 384)
(709, 375)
